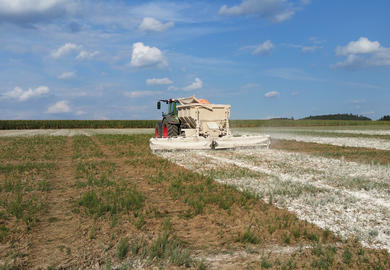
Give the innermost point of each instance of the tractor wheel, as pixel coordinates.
(159, 130)
(169, 130)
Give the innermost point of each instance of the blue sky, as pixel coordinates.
(84, 59)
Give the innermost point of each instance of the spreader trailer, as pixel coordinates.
(193, 124)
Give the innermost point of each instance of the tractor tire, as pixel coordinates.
(159, 130)
(169, 130)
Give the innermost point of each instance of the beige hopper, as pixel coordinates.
(193, 124)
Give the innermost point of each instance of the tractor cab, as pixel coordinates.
(172, 110)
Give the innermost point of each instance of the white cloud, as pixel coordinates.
(85, 55)
(158, 81)
(363, 53)
(275, 10)
(141, 93)
(21, 95)
(143, 56)
(264, 48)
(197, 84)
(67, 75)
(31, 11)
(272, 94)
(60, 107)
(65, 49)
(361, 46)
(153, 25)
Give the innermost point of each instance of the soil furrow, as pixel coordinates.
(57, 232)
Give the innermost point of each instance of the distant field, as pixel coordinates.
(104, 201)
(59, 124)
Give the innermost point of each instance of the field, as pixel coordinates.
(90, 199)
(87, 124)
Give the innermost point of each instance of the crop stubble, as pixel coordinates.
(108, 188)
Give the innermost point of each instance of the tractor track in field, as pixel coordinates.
(58, 230)
(201, 232)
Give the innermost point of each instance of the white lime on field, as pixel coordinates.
(348, 198)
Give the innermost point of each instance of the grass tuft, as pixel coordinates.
(123, 248)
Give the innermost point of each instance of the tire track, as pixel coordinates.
(58, 232)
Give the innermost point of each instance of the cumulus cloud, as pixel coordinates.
(149, 24)
(18, 93)
(67, 75)
(363, 53)
(59, 107)
(272, 94)
(264, 48)
(197, 84)
(69, 47)
(85, 55)
(28, 11)
(275, 10)
(158, 81)
(144, 56)
(361, 46)
(141, 93)
(65, 49)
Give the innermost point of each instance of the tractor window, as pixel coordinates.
(172, 109)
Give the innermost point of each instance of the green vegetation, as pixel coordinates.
(123, 248)
(54, 124)
(123, 205)
(113, 201)
(248, 237)
(385, 118)
(281, 122)
(84, 147)
(23, 196)
(31, 148)
(168, 247)
(339, 116)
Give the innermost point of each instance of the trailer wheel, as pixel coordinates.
(169, 130)
(158, 130)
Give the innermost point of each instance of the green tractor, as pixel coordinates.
(170, 125)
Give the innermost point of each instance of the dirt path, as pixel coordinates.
(58, 231)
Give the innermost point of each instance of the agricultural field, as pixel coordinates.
(91, 199)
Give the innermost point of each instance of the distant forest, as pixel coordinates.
(339, 116)
(385, 118)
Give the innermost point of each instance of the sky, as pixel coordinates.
(95, 59)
